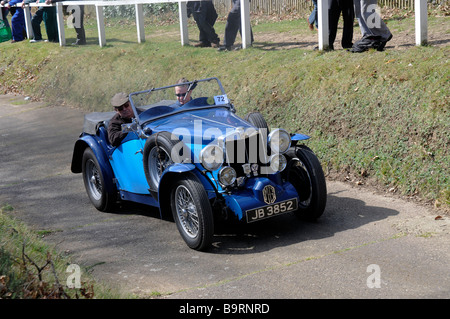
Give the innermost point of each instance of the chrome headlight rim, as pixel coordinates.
(280, 158)
(276, 147)
(208, 163)
(221, 175)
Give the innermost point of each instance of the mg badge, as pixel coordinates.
(269, 194)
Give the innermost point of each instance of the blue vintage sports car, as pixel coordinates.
(199, 162)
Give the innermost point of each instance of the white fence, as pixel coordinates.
(421, 22)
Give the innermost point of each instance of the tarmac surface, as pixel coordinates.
(366, 245)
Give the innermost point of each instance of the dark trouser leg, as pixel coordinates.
(18, 25)
(333, 18)
(50, 24)
(232, 28)
(348, 15)
(36, 23)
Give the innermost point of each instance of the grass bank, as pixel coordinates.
(31, 268)
(379, 118)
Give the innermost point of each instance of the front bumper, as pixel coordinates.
(259, 193)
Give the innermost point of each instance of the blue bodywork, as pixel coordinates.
(197, 124)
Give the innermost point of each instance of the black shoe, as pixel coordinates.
(366, 43)
(383, 44)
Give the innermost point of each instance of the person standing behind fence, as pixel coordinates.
(233, 26)
(17, 21)
(375, 33)
(77, 20)
(312, 19)
(205, 16)
(335, 8)
(48, 15)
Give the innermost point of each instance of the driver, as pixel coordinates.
(124, 114)
(180, 92)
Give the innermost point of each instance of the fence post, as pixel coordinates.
(28, 27)
(140, 22)
(421, 21)
(184, 32)
(60, 23)
(322, 14)
(100, 25)
(245, 23)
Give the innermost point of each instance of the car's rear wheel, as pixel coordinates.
(305, 173)
(192, 212)
(94, 182)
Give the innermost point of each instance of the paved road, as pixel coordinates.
(362, 236)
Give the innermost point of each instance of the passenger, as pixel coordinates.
(124, 114)
(181, 92)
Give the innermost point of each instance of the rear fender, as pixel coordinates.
(77, 166)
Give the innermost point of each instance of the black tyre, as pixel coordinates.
(192, 212)
(160, 151)
(94, 182)
(257, 120)
(305, 173)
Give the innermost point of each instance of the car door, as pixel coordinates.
(126, 161)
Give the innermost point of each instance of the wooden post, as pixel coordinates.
(60, 22)
(322, 14)
(26, 11)
(100, 25)
(420, 9)
(182, 11)
(245, 24)
(140, 22)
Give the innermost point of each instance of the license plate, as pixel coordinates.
(271, 210)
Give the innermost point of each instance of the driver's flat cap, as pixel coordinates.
(119, 99)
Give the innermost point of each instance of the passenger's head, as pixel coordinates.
(121, 103)
(180, 91)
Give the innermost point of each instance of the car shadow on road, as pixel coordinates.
(341, 214)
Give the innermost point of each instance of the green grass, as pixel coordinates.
(31, 268)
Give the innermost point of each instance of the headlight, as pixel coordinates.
(277, 163)
(227, 176)
(211, 157)
(279, 141)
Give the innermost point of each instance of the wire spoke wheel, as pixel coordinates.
(192, 212)
(93, 178)
(186, 211)
(102, 197)
(158, 160)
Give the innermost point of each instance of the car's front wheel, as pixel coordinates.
(94, 182)
(192, 212)
(159, 152)
(305, 173)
